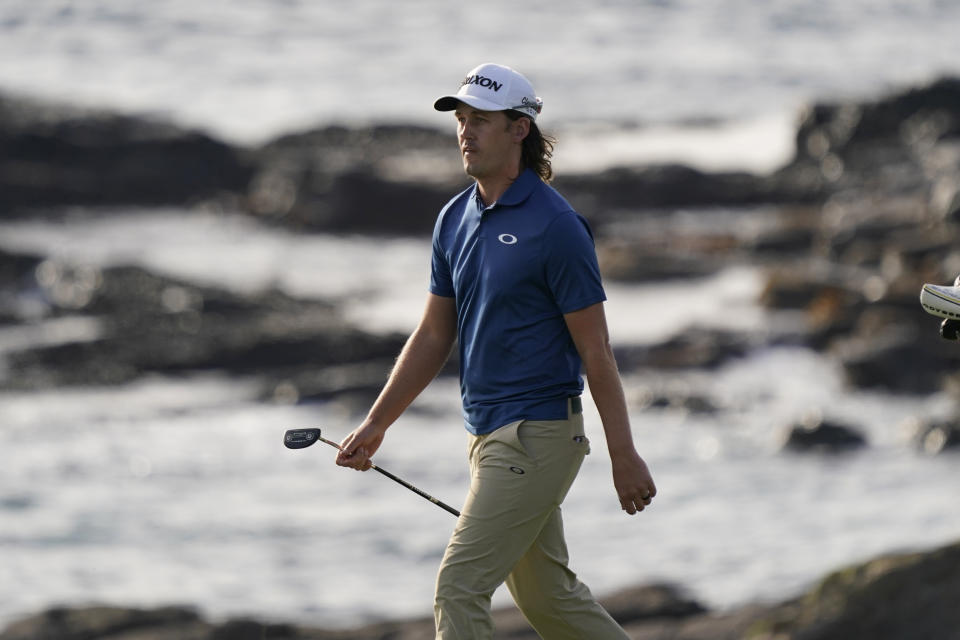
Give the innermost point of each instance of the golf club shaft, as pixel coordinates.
(403, 482)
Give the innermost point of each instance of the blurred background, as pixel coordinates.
(214, 226)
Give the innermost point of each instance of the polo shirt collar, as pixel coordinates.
(520, 190)
(516, 193)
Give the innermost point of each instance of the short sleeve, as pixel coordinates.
(441, 281)
(570, 260)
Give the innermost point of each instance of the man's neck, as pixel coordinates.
(491, 189)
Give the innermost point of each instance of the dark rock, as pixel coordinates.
(909, 596)
(92, 623)
(906, 117)
(814, 433)
(876, 145)
(384, 179)
(697, 347)
(784, 241)
(242, 630)
(829, 302)
(59, 155)
(150, 323)
(17, 277)
(665, 186)
(680, 398)
(905, 357)
(649, 602)
(906, 596)
(629, 262)
(654, 602)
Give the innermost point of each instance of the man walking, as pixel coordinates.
(515, 280)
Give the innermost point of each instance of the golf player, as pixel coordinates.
(514, 282)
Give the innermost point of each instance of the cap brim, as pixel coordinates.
(450, 103)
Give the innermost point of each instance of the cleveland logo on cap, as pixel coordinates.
(483, 81)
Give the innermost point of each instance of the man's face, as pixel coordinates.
(489, 142)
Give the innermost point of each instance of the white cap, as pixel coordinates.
(494, 87)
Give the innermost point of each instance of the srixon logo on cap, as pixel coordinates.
(483, 81)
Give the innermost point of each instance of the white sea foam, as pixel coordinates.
(758, 145)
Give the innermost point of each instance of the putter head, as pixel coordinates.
(300, 438)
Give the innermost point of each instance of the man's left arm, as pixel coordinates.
(631, 477)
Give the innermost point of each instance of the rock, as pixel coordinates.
(829, 301)
(893, 597)
(904, 357)
(902, 596)
(149, 323)
(876, 145)
(17, 278)
(817, 434)
(674, 397)
(631, 262)
(651, 602)
(58, 155)
(383, 179)
(671, 185)
(785, 241)
(88, 623)
(862, 216)
(696, 347)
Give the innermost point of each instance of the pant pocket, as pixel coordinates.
(578, 433)
(506, 446)
(583, 441)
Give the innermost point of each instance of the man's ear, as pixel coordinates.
(521, 129)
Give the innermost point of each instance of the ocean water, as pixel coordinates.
(174, 490)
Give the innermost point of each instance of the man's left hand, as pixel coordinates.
(633, 482)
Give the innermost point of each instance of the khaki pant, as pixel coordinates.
(511, 531)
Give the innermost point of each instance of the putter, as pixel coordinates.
(303, 438)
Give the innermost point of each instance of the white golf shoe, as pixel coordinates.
(942, 301)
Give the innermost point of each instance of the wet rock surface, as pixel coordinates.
(816, 433)
(146, 323)
(52, 154)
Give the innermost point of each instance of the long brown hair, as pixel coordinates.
(537, 149)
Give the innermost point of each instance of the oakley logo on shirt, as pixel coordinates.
(507, 238)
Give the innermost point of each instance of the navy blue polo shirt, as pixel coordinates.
(514, 268)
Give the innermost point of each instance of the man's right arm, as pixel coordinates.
(420, 360)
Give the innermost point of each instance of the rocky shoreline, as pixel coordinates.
(893, 597)
(846, 233)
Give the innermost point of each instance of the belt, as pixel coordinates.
(576, 405)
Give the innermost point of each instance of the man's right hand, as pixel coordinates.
(359, 446)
